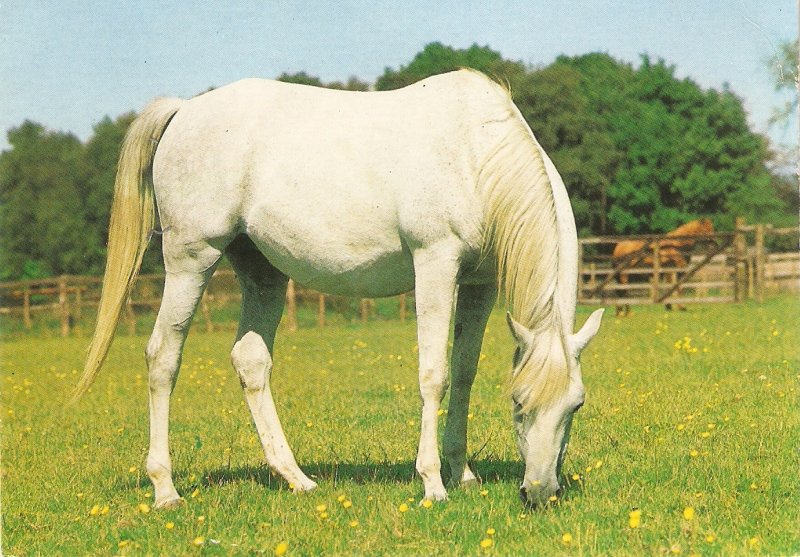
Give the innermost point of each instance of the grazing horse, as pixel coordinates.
(637, 253)
(440, 186)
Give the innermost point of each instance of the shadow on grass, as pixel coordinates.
(490, 471)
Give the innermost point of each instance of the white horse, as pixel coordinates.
(440, 187)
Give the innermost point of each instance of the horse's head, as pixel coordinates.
(543, 431)
(705, 226)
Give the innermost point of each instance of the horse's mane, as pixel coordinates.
(522, 231)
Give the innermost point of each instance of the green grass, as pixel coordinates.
(348, 400)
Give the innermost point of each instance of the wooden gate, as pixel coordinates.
(718, 267)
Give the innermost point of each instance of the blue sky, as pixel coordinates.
(67, 63)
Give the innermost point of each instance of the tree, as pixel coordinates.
(784, 66)
(437, 58)
(42, 209)
(687, 152)
(302, 78)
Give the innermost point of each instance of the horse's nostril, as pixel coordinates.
(523, 494)
(559, 491)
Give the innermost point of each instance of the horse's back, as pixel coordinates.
(329, 183)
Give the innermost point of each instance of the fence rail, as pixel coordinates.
(719, 267)
(744, 270)
(69, 298)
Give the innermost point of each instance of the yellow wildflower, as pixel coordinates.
(566, 539)
(281, 548)
(688, 513)
(403, 508)
(199, 540)
(427, 503)
(143, 508)
(486, 543)
(490, 531)
(169, 525)
(635, 518)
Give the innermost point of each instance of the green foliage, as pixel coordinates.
(302, 78)
(664, 427)
(42, 205)
(686, 152)
(784, 68)
(437, 58)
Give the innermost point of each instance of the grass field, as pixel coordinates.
(688, 444)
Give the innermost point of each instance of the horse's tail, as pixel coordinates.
(132, 221)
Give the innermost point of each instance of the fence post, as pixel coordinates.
(26, 307)
(740, 258)
(580, 270)
(76, 312)
(291, 306)
(402, 308)
(364, 310)
(63, 305)
(206, 312)
(321, 311)
(130, 316)
(759, 263)
(656, 270)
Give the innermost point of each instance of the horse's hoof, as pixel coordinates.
(436, 495)
(304, 487)
(171, 503)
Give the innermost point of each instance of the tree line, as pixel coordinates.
(639, 150)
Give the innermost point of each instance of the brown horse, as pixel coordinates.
(640, 254)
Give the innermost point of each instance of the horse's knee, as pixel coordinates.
(252, 361)
(433, 384)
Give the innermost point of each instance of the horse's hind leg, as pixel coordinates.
(182, 292)
(263, 297)
(472, 311)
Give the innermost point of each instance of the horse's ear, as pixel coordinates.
(580, 339)
(523, 336)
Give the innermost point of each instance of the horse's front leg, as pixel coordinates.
(475, 303)
(435, 270)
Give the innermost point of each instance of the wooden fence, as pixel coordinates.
(744, 268)
(719, 267)
(70, 298)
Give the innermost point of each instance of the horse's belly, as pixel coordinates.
(344, 256)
